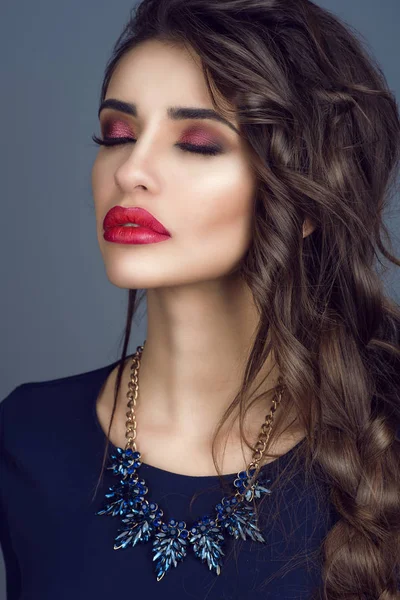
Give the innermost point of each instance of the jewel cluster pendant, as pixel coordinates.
(142, 520)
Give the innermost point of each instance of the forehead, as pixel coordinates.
(155, 75)
(154, 70)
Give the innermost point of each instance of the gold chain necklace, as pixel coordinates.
(142, 519)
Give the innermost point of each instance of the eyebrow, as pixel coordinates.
(176, 113)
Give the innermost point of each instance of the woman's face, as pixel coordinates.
(204, 201)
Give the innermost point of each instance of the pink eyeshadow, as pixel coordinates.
(118, 129)
(197, 136)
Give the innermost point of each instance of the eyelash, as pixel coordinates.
(204, 150)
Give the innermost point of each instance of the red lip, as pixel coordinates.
(118, 215)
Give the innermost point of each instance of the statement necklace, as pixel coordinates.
(142, 519)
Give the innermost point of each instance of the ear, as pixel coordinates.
(308, 227)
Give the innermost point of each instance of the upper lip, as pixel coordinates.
(119, 215)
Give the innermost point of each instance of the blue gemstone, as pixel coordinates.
(181, 524)
(129, 452)
(184, 533)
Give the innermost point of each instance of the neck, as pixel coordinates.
(198, 340)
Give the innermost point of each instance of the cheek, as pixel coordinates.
(216, 233)
(100, 176)
(215, 222)
(221, 201)
(103, 187)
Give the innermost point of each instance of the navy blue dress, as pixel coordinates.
(55, 546)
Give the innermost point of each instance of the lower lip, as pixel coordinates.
(133, 235)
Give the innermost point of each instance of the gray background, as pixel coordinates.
(59, 313)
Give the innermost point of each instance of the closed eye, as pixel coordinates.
(184, 146)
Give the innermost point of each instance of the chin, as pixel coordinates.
(134, 280)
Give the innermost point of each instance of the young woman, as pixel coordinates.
(248, 448)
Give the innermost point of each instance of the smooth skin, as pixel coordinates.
(200, 315)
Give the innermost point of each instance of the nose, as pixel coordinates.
(138, 168)
(131, 175)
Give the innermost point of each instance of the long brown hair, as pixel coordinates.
(323, 131)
